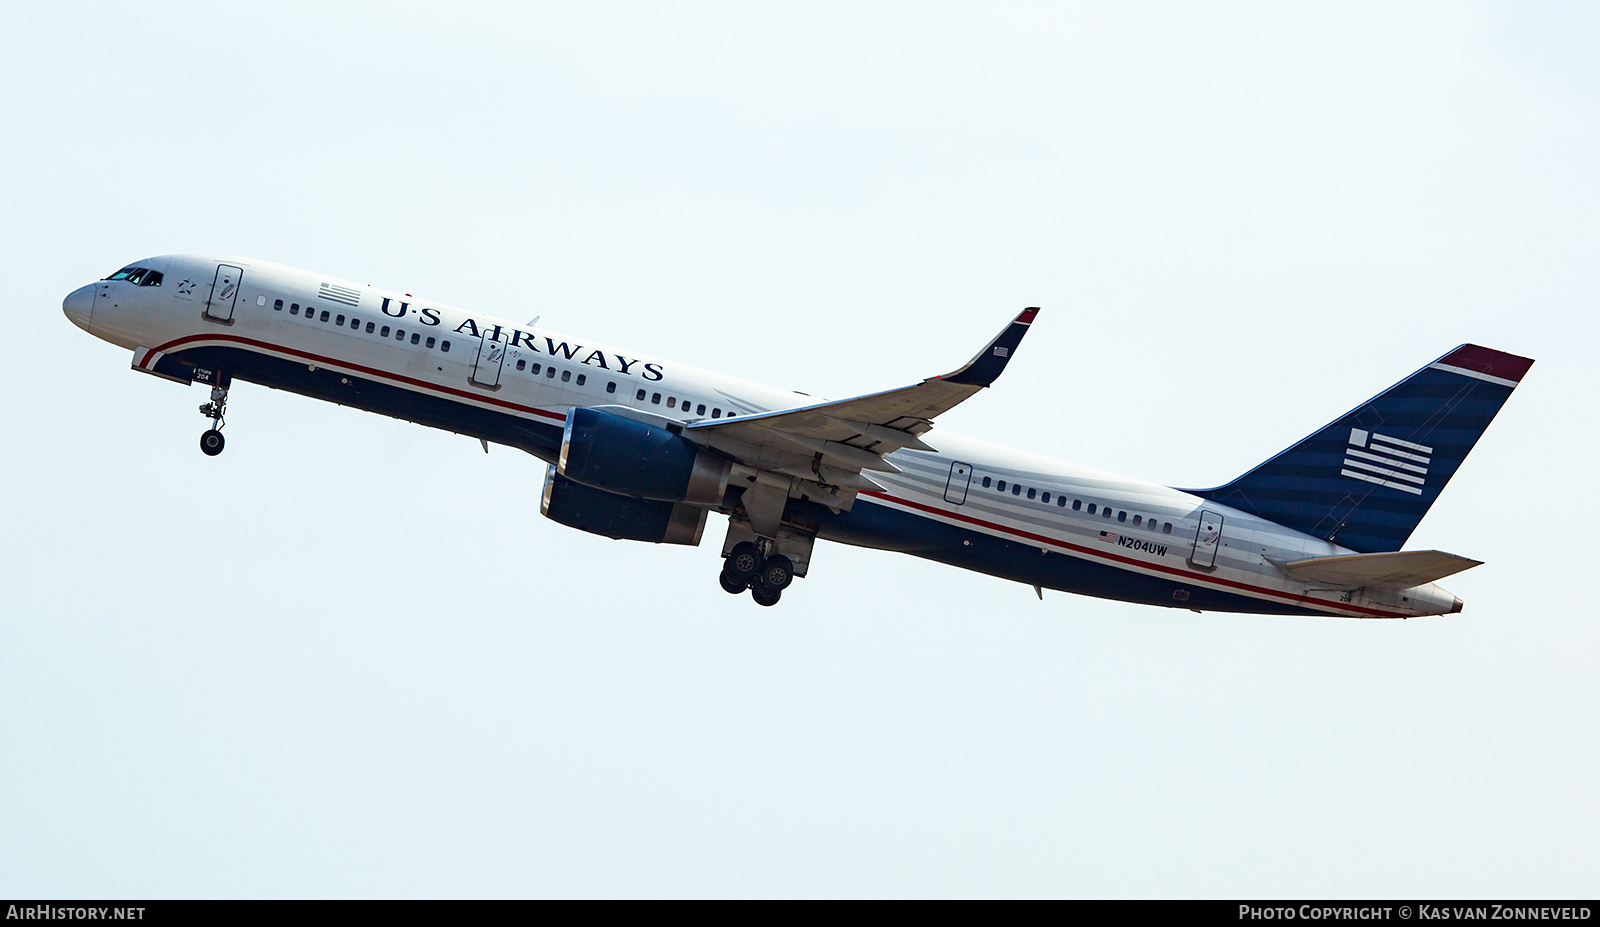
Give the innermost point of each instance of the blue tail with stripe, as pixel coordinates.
(1366, 480)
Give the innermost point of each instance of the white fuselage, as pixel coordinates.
(1109, 526)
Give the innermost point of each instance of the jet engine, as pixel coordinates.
(599, 512)
(632, 458)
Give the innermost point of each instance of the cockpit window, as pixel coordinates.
(138, 276)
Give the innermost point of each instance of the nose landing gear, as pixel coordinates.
(212, 442)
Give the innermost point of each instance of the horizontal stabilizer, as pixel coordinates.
(1397, 570)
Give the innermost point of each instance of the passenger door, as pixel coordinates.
(1207, 538)
(491, 357)
(224, 293)
(955, 489)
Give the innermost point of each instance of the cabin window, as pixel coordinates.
(1002, 486)
(640, 397)
(701, 409)
(324, 316)
(522, 364)
(655, 399)
(672, 402)
(370, 327)
(429, 344)
(399, 334)
(1045, 498)
(1031, 492)
(549, 373)
(416, 338)
(1061, 502)
(1105, 512)
(582, 378)
(444, 346)
(294, 308)
(1122, 516)
(277, 305)
(1136, 520)
(1092, 508)
(536, 368)
(611, 386)
(716, 413)
(340, 320)
(986, 482)
(1016, 489)
(566, 375)
(1166, 527)
(384, 332)
(1076, 504)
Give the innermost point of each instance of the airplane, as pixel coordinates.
(640, 448)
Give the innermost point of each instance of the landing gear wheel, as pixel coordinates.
(731, 585)
(211, 443)
(743, 562)
(765, 596)
(777, 573)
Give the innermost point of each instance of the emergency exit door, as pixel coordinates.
(491, 357)
(960, 478)
(224, 293)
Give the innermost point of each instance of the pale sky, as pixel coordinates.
(349, 657)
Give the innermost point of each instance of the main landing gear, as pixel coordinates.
(765, 576)
(212, 442)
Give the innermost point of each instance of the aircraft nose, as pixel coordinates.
(79, 305)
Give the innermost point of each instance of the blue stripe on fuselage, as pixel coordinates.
(867, 524)
(541, 439)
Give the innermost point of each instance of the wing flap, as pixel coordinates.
(1394, 570)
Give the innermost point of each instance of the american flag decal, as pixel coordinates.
(340, 294)
(1108, 537)
(1386, 461)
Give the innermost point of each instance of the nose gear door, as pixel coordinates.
(491, 357)
(1206, 541)
(224, 293)
(960, 478)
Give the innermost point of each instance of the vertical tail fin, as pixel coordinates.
(1366, 479)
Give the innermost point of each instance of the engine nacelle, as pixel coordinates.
(631, 458)
(599, 512)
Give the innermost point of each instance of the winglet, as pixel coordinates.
(986, 367)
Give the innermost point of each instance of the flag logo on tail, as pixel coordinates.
(1386, 461)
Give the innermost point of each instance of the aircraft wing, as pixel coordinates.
(852, 435)
(1397, 570)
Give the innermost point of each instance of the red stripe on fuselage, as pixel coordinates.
(1187, 577)
(370, 371)
(1016, 532)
